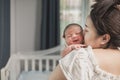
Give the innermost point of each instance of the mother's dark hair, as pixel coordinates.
(105, 15)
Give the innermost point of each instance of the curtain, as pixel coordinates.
(4, 32)
(85, 11)
(50, 27)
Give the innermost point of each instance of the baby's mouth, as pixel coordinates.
(75, 40)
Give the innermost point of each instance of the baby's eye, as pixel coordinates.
(78, 33)
(68, 36)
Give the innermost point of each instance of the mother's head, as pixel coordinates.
(103, 25)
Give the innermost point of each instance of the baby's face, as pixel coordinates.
(73, 35)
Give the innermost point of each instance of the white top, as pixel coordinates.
(81, 65)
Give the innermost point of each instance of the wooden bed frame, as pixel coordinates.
(43, 61)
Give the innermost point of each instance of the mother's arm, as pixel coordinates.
(57, 74)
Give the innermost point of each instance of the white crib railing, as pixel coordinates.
(29, 62)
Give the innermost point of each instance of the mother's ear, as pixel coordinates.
(105, 39)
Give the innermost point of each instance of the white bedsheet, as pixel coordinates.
(34, 75)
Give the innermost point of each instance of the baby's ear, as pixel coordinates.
(105, 38)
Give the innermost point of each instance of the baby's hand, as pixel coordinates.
(70, 48)
(77, 46)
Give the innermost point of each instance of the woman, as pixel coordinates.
(102, 32)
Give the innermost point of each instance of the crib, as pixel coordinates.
(31, 64)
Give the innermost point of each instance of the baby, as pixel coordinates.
(73, 36)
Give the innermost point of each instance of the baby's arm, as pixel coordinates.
(70, 48)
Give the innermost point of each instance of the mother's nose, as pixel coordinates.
(84, 32)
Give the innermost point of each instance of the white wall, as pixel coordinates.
(25, 25)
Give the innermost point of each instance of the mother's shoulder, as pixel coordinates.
(106, 51)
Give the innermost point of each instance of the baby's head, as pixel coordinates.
(73, 34)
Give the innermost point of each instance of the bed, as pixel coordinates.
(31, 65)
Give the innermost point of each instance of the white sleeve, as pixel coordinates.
(75, 65)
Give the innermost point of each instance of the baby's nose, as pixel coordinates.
(74, 35)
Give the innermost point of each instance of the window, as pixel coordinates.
(73, 11)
